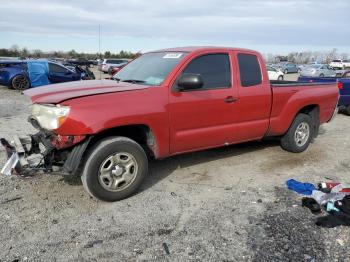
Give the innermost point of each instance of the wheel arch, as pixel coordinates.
(313, 111)
(140, 133)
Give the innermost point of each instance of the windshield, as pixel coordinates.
(150, 69)
(336, 61)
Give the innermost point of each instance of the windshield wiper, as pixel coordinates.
(116, 79)
(133, 81)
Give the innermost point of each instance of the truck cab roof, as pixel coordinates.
(194, 49)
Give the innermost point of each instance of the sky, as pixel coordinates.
(269, 26)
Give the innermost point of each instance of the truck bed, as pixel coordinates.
(289, 97)
(276, 83)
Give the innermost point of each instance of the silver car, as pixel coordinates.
(107, 63)
(317, 71)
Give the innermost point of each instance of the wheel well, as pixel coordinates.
(141, 134)
(314, 112)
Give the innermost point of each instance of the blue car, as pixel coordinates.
(288, 67)
(343, 84)
(24, 74)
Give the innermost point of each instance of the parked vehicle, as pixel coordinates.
(288, 67)
(107, 63)
(20, 76)
(343, 82)
(114, 69)
(162, 104)
(274, 74)
(340, 64)
(81, 62)
(318, 71)
(301, 67)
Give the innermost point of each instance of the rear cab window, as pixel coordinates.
(249, 70)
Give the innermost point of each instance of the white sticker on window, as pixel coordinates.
(173, 55)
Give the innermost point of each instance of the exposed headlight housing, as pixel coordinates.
(50, 117)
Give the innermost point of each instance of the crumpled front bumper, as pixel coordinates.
(43, 151)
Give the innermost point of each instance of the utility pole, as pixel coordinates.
(99, 45)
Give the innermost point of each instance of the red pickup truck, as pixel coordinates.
(161, 104)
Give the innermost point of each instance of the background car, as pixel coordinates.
(274, 74)
(288, 67)
(19, 75)
(318, 71)
(340, 64)
(107, 63)
(301, 67)
(115, 69)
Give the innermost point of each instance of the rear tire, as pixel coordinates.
(299, 135)
(114, 169)
(286, 71)
(20, 82)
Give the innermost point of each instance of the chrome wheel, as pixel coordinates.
(118, 171)
(302, 134)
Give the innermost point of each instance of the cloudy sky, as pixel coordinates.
(276, 26)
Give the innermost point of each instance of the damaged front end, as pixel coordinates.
(44, 151)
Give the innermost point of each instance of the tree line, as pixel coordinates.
(307, 56)
(296, 57)
(15, 51)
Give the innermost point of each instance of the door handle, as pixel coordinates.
(230, 99)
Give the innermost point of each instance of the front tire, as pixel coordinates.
(114, 169)
(299, 135)
(280, 78)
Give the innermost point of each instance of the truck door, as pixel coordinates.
(204, 117)
(255, 96)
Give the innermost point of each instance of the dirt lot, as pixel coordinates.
(226, 204)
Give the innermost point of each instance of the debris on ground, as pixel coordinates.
(10, 200)
(334, 198)
(166, 248)
(92, 243)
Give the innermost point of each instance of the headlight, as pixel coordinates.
(50, 116)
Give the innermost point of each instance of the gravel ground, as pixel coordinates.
(226, 204)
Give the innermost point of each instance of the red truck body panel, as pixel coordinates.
(188, 121)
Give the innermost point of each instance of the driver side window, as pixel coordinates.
(214, 69)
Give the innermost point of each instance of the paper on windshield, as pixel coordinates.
(173, 55)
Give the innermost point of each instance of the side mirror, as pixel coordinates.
(190, 81)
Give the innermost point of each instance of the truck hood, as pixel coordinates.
(56, 93)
